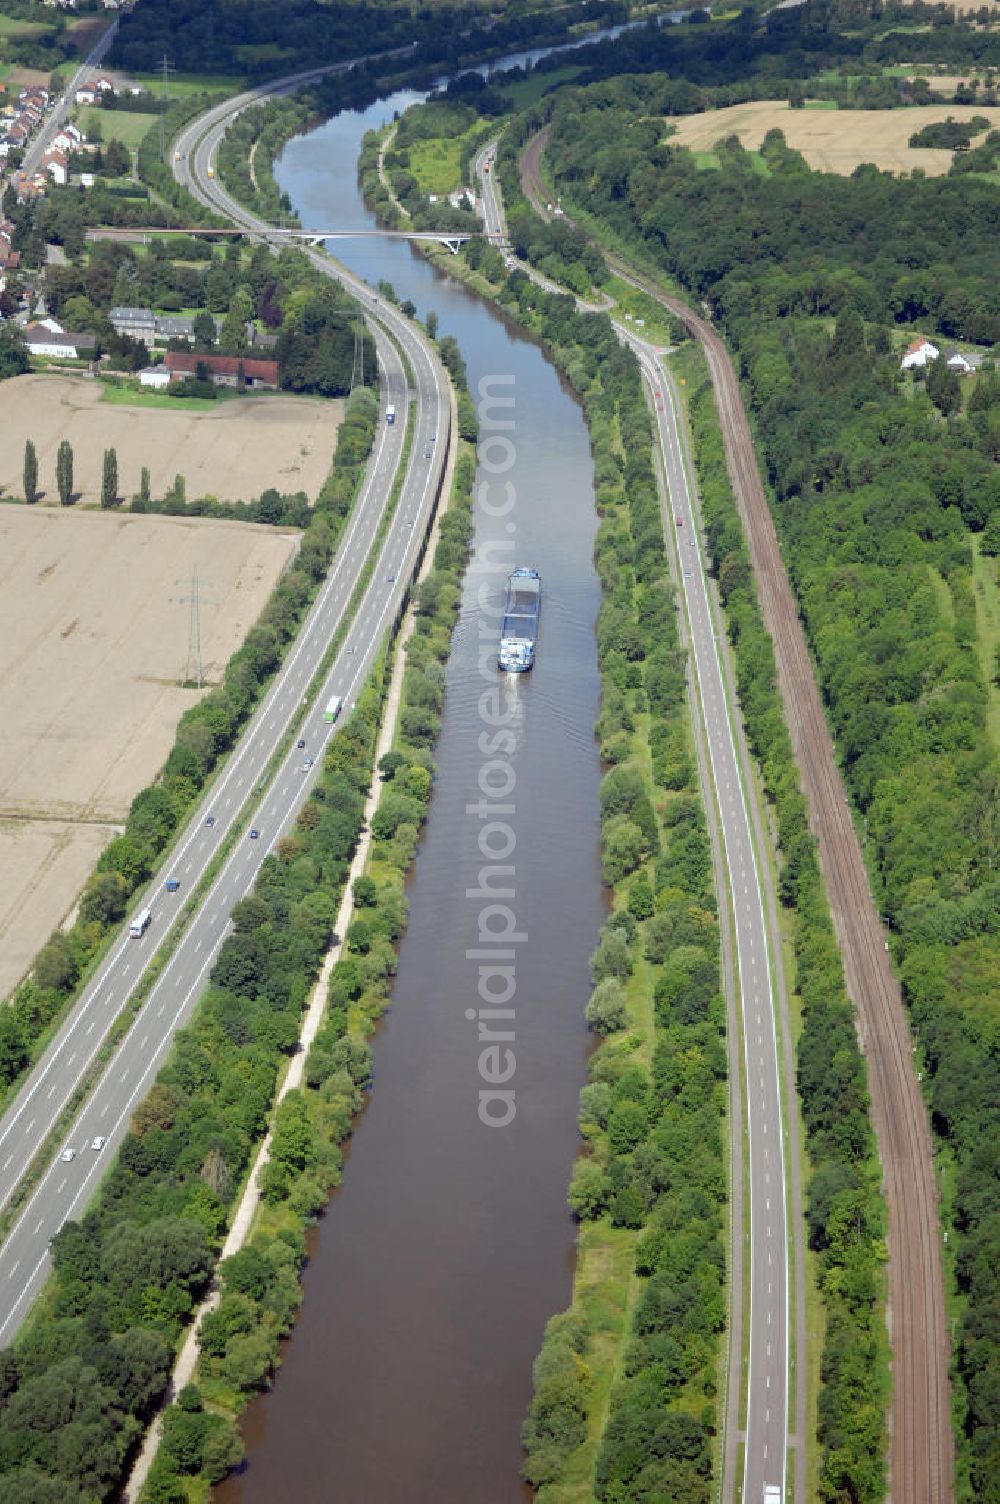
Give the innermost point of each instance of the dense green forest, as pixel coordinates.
(883, 489)
(257, 41)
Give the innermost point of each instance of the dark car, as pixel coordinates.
(209, 819)
(301, 742)
(255, 834)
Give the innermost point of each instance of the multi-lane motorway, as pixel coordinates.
(766, 1427)
(236, 802)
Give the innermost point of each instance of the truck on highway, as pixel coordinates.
(773, 1493)
(333, 709)
(140, 924)
(390, 414)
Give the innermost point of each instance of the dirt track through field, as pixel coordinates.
(921, 1450)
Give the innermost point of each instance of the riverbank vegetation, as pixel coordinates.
(879, 483)
(259, 1285)
(638, 1353)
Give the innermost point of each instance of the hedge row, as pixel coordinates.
(845, 1210)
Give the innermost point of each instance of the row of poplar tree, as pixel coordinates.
(64, 475)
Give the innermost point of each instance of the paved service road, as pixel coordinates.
(767, 1381)
(67, 1185)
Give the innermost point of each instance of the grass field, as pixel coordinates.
(436, 164)
(120, 125)
(188, 83)
(232, 449)
(94, 610)
(529, 90)
(13, 26)
(832, 141)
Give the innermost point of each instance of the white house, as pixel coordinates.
(57, 165)
(956, 361)
(59, 346)
(154, 376)
(85, 95)
(918, 353)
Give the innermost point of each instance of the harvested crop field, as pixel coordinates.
(94, 613)
(832, 140)
(233, 450)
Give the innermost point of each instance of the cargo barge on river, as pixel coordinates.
(519, 631)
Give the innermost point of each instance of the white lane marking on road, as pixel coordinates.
(104, 1109)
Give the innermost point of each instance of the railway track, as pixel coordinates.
(921, 1458)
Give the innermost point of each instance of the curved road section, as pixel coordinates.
(922, 1451)
(66, 1186)
(767, 1357)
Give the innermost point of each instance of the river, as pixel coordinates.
(449, 1243)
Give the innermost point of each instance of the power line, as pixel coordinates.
(192, 668)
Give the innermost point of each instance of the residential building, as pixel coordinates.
(224, 370)
(136, 323)
(154, 376)
(956, 360)
(56, 164)
(60, 346)
(173, 326)
(918, 352)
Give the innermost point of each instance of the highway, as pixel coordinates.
(766, 1426)
(67, 1185)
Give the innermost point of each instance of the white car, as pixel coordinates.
(67, 1155)
(97, 1144)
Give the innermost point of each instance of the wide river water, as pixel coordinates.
(449, 1244)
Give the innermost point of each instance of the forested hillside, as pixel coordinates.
(884, 490)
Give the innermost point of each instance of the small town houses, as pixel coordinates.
(19, 120)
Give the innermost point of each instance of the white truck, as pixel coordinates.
(773, 1493)
(390, 414)
(140, 924)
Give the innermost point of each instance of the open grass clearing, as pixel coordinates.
(437, 164)
(528, 91)
(15, 26)
(830, 140)
(121, 125)
(94, 612)
(231, 449)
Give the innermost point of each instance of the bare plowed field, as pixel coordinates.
(233, 451)
(832, 140)
(94, 614)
